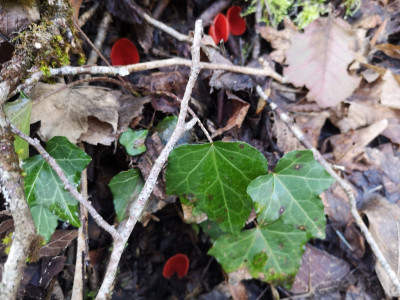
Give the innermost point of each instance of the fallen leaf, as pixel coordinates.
(319, 272)
(239, 112)
(390, 96)
(389, 50)
(319, 58)
(369, 22)
(60, 240)
(279, 39)
(348, 145)
(66, 113)
(335, 205)
(384, 224)
(51, 266)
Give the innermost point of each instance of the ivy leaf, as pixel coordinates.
(125, 188)
(215, 177)
(292, 192)
(269, 252)
(133, 140)
(43, 187)
(45, 221)
(19, 114)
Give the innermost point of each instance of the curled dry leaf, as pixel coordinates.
(319, 58)
(384, 224)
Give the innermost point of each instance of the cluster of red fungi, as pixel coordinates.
(124, 52)
(222, 26)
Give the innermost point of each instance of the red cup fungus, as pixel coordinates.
(236, 23)
(219, 30)
(124, 52)
(178, 263)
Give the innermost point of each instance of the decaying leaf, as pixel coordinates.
(319, 58)
(384, 224)
(389, 50)
(319, 272)
(279, 39)
(239, 111)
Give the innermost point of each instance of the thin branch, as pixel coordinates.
(342, 183)
(139, 205)
(126, 70)
(67, 185)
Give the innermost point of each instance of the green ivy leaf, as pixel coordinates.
(269, 252)
(133, 140)
(216, 176)
(292, 192)
(19, 114)
(45, 221)
(125, 188)
(43, 187)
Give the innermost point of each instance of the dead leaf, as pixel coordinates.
(66, 113)
(348, 145)
(239, 112)
(16, 16)
(279, 39)
(76, 5)
(389, 50)
(389, 164)
(311, 124)
(335, 205)
(285, 139)
(60, 240)
(384, 224)
(319, 272)
(319, 58)
(51, 266)
(390, 91)
(369, 22)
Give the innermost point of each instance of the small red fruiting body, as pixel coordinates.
(219, 30)
(237, 24)
(178, 263)
(124, 52)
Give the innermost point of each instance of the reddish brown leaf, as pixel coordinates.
(319, 58)
(60, 240)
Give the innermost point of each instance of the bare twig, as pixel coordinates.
(101, 35)
(139, 205)
(78, 289)
(67, 185)
(88, 14)
(126, 70)
(342, 183)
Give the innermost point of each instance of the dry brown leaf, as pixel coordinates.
(390, 96)
(336, 206)
(384, 225)
(60, 240)
(319, 58)
(348, 145)
(389, 50)
(319, 272)
(66, 113)
(369, 22)
(279, 39)
(239, 112)
(285, 139)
